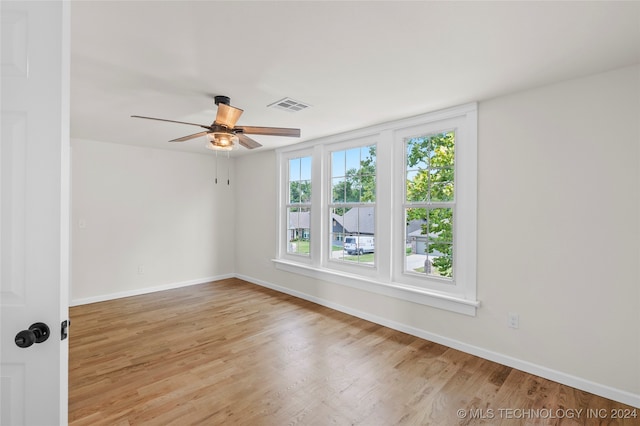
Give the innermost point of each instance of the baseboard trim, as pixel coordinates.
(146, 290)
(538, 370)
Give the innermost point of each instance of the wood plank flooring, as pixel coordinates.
(235, 353)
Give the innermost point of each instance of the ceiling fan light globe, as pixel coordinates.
(221, 141)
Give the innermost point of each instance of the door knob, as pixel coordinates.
(37, 333)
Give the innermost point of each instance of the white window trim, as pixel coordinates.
(283, 182)
(388, 277)
(348, 267)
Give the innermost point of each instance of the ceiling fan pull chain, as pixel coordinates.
(228, 167)
(216, 167)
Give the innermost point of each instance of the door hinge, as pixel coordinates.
(64, 326)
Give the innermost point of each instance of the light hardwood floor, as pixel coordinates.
(230, 352)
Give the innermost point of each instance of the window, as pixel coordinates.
(299, 206)
(429, 204)
(394, 209)
(352, 206)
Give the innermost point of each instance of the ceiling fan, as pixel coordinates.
(223, 134)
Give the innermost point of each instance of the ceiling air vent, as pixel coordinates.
(289, 104)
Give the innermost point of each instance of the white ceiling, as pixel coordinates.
(357, 63)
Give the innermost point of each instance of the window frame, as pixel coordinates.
(387, 276)
(422, 132)
(353, 267)
(465, 171)
(283, 200)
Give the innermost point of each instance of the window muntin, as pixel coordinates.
(352, 205)
(429, 205)
(298, 206)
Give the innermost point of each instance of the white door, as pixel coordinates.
(34, 213)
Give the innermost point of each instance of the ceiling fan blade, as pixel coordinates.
(186, 138)
(270, 131)
(171, 121)
(228, 115)
(247, 142)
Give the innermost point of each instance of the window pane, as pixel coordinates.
(367, 189)
(352, 234)
(441, 191)
(298, 234)
(299, 192)
(366, 178)
(338, 164)
(416, 239)
(443, 150)
(337, 233)
(440, 263)
(368, 155)
(294, 192)
(305, 191)
(352, 189)
(418, 150)
(430, 168)
(429, 241)
(338, 189)
(299, 180)
(440, 224)
(294, 169)
(353, 174)
(417, 186)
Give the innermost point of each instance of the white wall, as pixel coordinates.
(558, 238)
(152, 219)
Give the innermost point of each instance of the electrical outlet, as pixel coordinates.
(513, 320)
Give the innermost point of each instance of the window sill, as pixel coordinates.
(391, 289)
